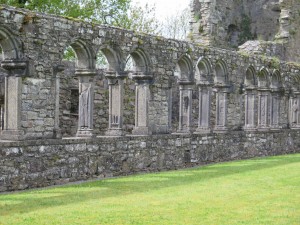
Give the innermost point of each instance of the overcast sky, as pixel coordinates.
(165, 8)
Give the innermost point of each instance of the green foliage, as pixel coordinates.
(245, 28)
(258, 191)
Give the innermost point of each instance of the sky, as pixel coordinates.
(165, 8)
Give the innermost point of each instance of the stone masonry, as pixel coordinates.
(180, 104)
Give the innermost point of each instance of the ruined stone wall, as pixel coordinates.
(221, 104)
(273, 24)
(34, 164)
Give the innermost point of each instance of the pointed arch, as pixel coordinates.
(184, 67)
(203, 71)
(263, 78)
(250, 77)
(221, 72)
(9, 44)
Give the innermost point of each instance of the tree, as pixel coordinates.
(177, 26)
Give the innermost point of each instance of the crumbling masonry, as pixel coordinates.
(181, 104)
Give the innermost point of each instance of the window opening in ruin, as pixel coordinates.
(74, 101)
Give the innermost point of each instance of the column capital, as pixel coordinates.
(112, 76)
(18, 68)
(85, 72)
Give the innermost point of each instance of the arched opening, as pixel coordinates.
(275, 101)
(221, 96)
(182, 96)
(109, 92)
(204, 80)
(203, 72)
(10, 97)
(263, 99)
(76, 56)
(221, 74)
(263, 78)
(250, 78)
(233, 35)
(250, 98)
(137, 65)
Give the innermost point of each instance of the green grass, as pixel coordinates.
(258, 191)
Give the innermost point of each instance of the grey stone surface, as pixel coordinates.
(191, 104)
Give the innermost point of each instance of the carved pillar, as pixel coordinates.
(142, 95)
(204, 109)
(86, 102)
(294, 111)
(275, 110)
(56, 71)
(12, 101)
(221, 109)
(263, 105)
(185, 106)
(116, 96)
(250, 109)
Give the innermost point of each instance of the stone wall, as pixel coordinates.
(180, 103)
(32, 164)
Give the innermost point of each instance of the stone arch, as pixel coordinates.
(203, 71)
(250, 77)
(221, 73)
(184, 67)
(113, 57)
(9, 44)
(263, 78)
(276, 81)
(141, 61)
(85, 57)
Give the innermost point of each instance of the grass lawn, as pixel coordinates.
(258, 191)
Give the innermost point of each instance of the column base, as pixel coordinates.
(249, 128)
(263, 128)
(275, 128)
(202, 130)
(114, 132)
(220, 129)
(88, 133)
(13, 135)
(141, 131)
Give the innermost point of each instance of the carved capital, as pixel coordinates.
(18, 68)
(85, 73)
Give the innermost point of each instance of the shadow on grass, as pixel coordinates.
(119, 187)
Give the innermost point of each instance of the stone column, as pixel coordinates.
(294, 111)
(275, 110)
(12, 101)
(86, 102)
(56, 71)
(221, 109)
(116, 96)
(263, 105)
(142, 95)
(185, 106)
(204, 109)
(250, 109)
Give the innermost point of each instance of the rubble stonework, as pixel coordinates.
(182, 103)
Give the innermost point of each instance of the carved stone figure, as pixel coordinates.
(294, 112)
